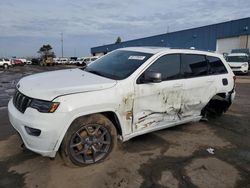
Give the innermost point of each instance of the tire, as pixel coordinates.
(5, 66)
(89, 140)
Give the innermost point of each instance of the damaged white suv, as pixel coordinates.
(126, 93)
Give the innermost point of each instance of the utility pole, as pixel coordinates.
(62, 42)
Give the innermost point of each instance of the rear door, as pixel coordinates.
(156, 104)
(199, 85)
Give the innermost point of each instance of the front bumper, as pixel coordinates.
(243, 70)
(50, 124)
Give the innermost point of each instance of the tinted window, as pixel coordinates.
(118, 64)
(168, 66)
(194, 65)
(216, 66)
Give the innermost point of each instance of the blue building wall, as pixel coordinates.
(203, 38)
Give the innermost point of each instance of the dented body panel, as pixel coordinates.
(138, 108)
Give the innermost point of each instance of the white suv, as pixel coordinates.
(5, 63)
(126, 93)
(239, 62)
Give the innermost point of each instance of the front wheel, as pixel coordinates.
(5, 66)
(89, 140)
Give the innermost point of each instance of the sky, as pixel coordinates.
(25, 25)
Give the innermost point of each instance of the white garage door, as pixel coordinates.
(227, 44)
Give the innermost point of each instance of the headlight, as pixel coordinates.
(44, 106)
(244, 65)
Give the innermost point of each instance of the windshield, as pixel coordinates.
(118, 65)
(237, 59)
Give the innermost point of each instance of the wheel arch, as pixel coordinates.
(111, 115)
(218, 104)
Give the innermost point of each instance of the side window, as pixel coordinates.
(194, 65)
(216, 66)
(168, 66)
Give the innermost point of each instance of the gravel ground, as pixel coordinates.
(174, 157)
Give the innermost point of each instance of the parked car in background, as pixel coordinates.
(239, 62)
(72, 60)
(80, 62)
(28, 62)
(88, 60)
(18, 62)
(55, 59)
(5, 63)
(35, 61)
(23, 60)
(63, 61)
(124, 94)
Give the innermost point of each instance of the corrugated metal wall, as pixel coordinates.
(203, 38)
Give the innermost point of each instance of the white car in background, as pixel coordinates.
(88, 60)
(239, 62)
(5, 63)
(124, 94)
(62, 60)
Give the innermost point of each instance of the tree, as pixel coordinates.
(45, 51)
(118, 40)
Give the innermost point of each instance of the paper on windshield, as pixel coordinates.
(133, 57)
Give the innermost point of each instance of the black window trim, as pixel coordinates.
(181, 73)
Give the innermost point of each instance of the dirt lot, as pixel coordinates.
(175, 157)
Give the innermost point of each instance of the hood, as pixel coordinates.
(48, 85)
(236, 64)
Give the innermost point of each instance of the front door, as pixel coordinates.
(156, 104)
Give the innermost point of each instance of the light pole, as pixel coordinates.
(62, 42)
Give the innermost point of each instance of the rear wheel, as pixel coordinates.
(89, 140)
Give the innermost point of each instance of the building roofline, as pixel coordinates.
(210, 25)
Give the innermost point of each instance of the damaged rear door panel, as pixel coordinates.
(199, 87)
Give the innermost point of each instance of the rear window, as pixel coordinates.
(216, 66)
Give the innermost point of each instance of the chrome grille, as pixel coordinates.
(20, 101)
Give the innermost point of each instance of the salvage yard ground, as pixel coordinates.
(174, 157)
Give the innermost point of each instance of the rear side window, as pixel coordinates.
(168, 66)
(194, 65)
(216, 66)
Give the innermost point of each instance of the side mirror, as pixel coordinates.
(154, 77)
